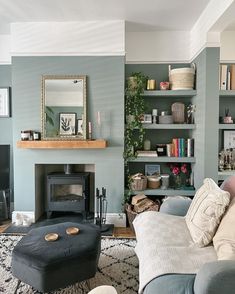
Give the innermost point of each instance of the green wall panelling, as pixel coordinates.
(105, 92)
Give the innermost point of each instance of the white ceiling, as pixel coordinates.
(141, 15)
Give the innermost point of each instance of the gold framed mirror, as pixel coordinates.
(64, 107)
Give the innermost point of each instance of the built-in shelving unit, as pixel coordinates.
(66, 144)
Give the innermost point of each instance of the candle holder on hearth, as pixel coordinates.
(101, 210)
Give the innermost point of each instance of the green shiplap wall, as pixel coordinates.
(105, 93)
(6, 123)
(207, 115)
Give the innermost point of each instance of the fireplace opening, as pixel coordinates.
(68, 192)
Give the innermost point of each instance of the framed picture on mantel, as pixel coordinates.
(229, 139)
(67, 123)
(5, 102)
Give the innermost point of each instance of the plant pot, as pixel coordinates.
(132, 81)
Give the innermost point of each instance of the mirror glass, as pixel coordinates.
(63, 107)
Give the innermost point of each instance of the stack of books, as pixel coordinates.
(150, 153)
(182, 147)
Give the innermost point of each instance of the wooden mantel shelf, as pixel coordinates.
(63, 144)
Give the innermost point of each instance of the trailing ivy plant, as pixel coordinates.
(134, 131)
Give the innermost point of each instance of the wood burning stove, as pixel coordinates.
(68, 192)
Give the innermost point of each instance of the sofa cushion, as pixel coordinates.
(224, 239)
(205, 212)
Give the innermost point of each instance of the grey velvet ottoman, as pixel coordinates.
(47, 265)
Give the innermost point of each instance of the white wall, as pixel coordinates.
(158, 46)
(68, 38)
(227, 50)
(5, 45)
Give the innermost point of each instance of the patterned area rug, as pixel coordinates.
(118, 266)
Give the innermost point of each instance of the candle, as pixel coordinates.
(98, 118)
(89, 130)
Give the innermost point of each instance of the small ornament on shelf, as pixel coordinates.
(191, 108)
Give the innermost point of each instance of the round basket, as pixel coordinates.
(182, 78)
(131, 214)
(138, 182)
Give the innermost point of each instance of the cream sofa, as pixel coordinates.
(189, 254)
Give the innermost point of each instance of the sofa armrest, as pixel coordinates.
(176, 206)
(216, 277)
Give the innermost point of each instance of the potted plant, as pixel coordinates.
(134, 131)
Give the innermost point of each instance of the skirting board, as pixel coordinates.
(118, 219)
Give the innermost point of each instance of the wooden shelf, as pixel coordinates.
(63, 144)
(170, 93)
(168, 192)
(162, 159)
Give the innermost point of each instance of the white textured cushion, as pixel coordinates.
(224, 239)
(205, 212)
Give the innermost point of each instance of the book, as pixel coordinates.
(146, 153)
(223, 76)
(232, 76)
(175, 143)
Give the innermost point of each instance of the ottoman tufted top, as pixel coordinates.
(34, 251)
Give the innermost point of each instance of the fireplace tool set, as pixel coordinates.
(101, 210)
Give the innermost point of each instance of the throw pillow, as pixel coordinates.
(205, 212)
(224, 239)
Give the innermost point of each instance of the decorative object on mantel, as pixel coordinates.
(26, 135)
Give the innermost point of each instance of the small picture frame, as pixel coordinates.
(147, 118)
(5, 109)
(79, 127)
(229, 139)
(152, 169)
(67, 123)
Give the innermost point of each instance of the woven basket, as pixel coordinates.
(138, 182)
(132, 214)
(182, 78)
